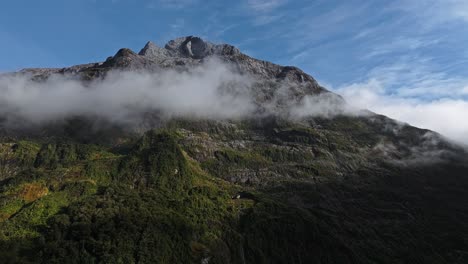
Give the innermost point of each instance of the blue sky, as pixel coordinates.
(404, 58)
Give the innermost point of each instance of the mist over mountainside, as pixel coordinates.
(198, 153)
(188, 77)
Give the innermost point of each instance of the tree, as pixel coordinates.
(6, 160)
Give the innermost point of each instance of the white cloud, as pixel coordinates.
(465, 90)
(211, 90)
(434, 12)
(399, 44)
(265, 5)
(178, 24)
(263, 11)
(266, 19)
(458, 9)
(413, 76)
(447, 116)
(171, 3)
(307, 30)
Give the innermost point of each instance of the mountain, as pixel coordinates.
(298, 176)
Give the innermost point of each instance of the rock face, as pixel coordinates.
(152, 51)
(197, 48)
(188, 51)
(125, 58)
(185, 50)
(183, 53)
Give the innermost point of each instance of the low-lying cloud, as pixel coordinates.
(429, 150)
(447, 116)
(211, 90)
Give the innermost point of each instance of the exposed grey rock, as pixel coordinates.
(197, 48)
(192, 47)
(189, 51)
(152, 51)
(186, 52)
(125, 58)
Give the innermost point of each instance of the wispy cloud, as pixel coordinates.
(177, 4)
(403, 58)
(263, 11)
(179, 23)
(417, 77)
(412, 93)
(266, 19)
(338, 20)
(265, 6)
(400, 45)
(434, 12)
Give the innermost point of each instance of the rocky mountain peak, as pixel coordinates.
(193, 47)
(125, 52)
(148, 47)
(189, 51)
(197, 48)
(151, 50)
(124, 58)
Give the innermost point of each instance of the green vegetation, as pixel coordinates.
(267, 191)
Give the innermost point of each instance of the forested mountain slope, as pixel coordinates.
(298, 177)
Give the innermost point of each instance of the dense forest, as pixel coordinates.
(257, 191)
